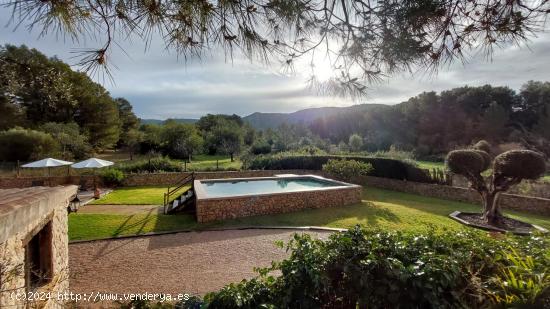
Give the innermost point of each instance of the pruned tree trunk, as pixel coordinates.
(491, 209)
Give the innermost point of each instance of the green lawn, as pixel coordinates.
(429, 165)
(151, 195)
(380, 209)
(200, 162)
(207, 162)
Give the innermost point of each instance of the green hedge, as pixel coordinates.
(383, 167)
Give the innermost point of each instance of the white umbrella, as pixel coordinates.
(93, 163)
(48, 162)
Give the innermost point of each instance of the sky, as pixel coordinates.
(161, 85)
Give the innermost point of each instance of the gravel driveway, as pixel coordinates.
(192, 263)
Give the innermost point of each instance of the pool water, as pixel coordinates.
(264, 186)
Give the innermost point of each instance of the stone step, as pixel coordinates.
(178, 202)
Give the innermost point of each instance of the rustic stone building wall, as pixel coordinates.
(23, 214)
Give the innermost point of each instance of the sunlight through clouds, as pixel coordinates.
(161, 85)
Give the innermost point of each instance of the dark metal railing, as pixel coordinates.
(176, 187)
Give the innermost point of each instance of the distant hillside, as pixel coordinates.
(305, 116)
(158, 121)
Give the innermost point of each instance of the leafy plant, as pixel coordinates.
(112, 177)
(347, 169)
(522, 279)
(373, 269)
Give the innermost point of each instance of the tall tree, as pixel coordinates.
(227, 137)
(72, 143)
(41, 89)
(129, 123)
(355, 142)
(181, 140)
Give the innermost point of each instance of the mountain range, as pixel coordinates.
(306, 116)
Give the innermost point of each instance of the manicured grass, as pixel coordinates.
(152, 195)
(94, 226)
(382, 209)
(429, 165)
(207, 162)
(199, 162)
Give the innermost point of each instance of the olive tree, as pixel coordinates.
(508, 169)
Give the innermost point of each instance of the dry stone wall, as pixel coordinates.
(21, 219)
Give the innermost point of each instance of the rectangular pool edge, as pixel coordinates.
(202, 194)
(230, 207)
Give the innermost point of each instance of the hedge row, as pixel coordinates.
(383, 167)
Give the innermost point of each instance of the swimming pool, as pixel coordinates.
(221, 199)
(264, 186)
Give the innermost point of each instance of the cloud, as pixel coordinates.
(161, 85)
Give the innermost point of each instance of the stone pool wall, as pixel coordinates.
(214, 209)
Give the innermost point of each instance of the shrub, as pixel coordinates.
(112, 177)
(347, 169)
(382, 167)
(374, 269)
(153, 165)
(483, 145)
(22, 144)
(260, 147)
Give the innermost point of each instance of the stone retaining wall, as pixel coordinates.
(166, 179)
(25, 182)
(533, 205)
(133, 180)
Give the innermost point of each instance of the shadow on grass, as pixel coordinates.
(125, 226)
(366, 212)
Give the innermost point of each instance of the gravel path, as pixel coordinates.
(192, 263)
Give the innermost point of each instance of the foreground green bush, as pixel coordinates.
(382, 167)
(373, 269)
(347, 169)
